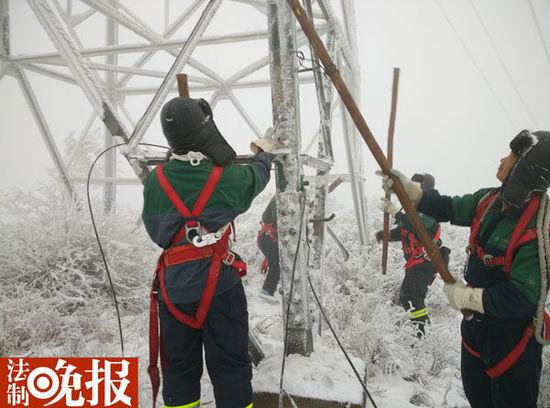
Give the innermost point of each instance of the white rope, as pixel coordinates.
(543, 217)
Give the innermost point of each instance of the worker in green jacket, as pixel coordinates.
(189, 205)
(501, 357)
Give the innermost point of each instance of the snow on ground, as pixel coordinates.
(56, 302)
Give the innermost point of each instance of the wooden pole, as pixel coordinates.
(183, 86)
(391, 129)
(332, 71)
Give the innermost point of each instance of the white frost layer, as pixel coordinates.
(324, 375)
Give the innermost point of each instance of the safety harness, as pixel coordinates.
(212, 245)
(520, 236)
(414, 252)
(270, 230)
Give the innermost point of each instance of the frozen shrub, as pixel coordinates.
(55, 292)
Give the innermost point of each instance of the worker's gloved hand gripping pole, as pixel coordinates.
(368, 137)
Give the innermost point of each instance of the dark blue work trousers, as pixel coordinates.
(224, 337)
(516, 388)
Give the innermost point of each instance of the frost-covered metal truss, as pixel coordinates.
(106, 86)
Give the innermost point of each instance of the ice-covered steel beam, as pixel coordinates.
(291, 203)
(88, 80)
(4, 37)
(78, 142)
(240, 108)
(355, 189)
(168, 32)
(45, 132)
(262, 6)
(346, 48)
(138, 27)
(323, 88)
(80, 18)
(102, 180)
(206, 17)
(49, 73)
(109, 161)
(260, 83)
(123, 69)
(166, 45)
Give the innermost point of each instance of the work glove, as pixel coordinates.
(413, 189)
(388, 207)
(267, 143)
(462, 297)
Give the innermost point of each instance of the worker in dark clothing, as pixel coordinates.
(189, 204)
(508, 252)
(268, 244)
(419, 269)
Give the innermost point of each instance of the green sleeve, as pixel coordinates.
(239, 185)
(464, 207)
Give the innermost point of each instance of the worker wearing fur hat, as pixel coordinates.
(506, 273)
(190, 203)
(419, 269)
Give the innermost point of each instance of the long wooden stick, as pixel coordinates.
(332, 71)
(391, 130)
(183, 86)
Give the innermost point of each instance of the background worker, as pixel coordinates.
(501, 359)
(268, 244)
(419, 269)
(201, 301)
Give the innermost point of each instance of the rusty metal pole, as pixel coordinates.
(391, 129)
(368, 137)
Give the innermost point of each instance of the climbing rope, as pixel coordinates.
(543, 224)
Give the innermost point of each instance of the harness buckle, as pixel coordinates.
(192, 230)
(204, 240)
(229, 258)
(488, 260)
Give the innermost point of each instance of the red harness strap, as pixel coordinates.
(176, 255)
(201, 202)
(510, 359)
(414, 250)
(519, 237)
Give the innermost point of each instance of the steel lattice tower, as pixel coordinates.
(282, 70)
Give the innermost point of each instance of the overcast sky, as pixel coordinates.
(457, 109)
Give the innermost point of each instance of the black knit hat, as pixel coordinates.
(427, 181)
(188, 125)
(531, 173)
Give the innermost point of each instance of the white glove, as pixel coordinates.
(462, 297)
(388, 207)
(267, 143)
(413, 189)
